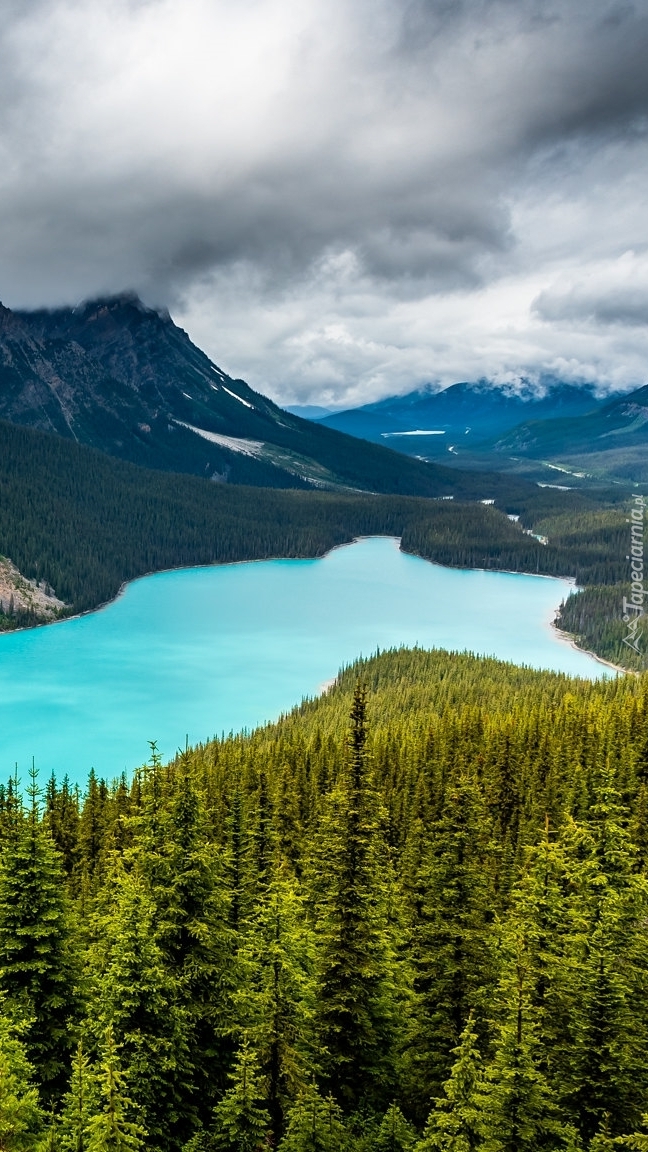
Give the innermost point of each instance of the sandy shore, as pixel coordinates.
(567, 638)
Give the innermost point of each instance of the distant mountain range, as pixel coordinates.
(461, 416)
(565, 428)
(121, 377)
(611, 440)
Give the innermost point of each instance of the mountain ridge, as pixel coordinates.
(429, 423)
(116, 375)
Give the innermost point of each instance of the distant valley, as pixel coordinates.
(565, 435)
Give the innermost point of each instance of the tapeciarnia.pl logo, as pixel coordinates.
(633, 608)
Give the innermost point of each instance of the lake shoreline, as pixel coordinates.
(562, 636)
(218, 648)
(568, 638)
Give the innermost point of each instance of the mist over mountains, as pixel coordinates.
(115, 375)
(467, 412)
(532, 431)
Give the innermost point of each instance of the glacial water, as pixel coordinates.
(193, 653)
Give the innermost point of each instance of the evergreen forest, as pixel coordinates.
(85, 523)
(412, 915)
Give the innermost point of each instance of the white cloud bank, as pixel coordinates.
(339, 199)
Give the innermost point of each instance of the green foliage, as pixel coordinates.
(394, 1134)
(452, 940)
(79, 1104)
(241, 1120)
(21, 1117)
(315, 1125)
(37, 974)
(137, 1000)
(519, 1110)
(595, 616)
(111, 1128)
(412, 913)
(456, 1122)
(277, 995)
(354, 1013)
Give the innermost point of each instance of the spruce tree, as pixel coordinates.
(92, 828)
(113, 1128)
(276, 998)
(315, 1124)
(184, 875)
(519, 1108)
(21, 1117)
(456, 1121)
(354, 1009)
(241, 1120)
(395, 1133)
(604, 1075)
(79, 1104)
(37, 969)
(137, 999)
(452, 947)
(62, 815)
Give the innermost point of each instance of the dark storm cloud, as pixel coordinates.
(370, 156)
(617, 304)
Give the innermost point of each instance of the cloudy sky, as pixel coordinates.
(339, 199)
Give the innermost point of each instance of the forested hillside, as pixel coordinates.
(412, 915)
(84, 523)
(595, 616)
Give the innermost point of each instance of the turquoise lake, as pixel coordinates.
(196, 652)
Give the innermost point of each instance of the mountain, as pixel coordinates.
(309, 411)
(610, 441)
(121, 377)
(426, 423)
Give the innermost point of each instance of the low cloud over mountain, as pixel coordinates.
(339, 200)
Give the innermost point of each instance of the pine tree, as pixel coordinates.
(37, 971)
(452, 939)
(394, 1134)
(241, 1119)
(183, 874)
(456, 1122)
(92, 826)
(539, 908)
(235, 856)
(62, 815)
(277, 994)
(137, 998)
(79, 1104)
(354, 1003)
(112, 1128)
(519, 1109)
(315, 1124)
(21, 1117)
(605, 1074)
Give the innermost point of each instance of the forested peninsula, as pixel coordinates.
(411, 915)
(79, 524)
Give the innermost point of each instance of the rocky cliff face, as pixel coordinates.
(124, 378)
